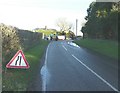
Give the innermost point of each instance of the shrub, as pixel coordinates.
(14, 39)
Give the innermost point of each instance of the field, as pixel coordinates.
(47, 32)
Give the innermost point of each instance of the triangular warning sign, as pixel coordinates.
(18, 61)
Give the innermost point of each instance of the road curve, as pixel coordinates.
(69, 68)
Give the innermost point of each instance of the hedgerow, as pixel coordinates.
(14, 39)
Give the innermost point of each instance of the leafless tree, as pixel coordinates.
(63, 24)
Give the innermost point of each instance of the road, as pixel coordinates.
(70, 68)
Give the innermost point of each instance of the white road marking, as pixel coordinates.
(64, 47)
(96, 74)
(46, 54)
(45, 66)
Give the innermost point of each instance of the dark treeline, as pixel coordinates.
(102, 21)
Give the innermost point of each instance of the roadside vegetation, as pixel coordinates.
(20, 79)
(14, 39)
(104, 47)
(102, 21)
(100, 32)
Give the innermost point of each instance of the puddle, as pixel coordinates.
(73, 44)
(45, 77)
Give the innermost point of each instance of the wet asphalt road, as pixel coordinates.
(69, 68)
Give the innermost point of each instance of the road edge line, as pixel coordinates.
(96, 74)
(44, 86)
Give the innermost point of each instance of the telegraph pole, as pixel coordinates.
(76, 26)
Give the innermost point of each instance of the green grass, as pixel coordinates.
(104, 47)
(19, 79)
(47, 32)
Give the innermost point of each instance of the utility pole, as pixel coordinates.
(76, 26)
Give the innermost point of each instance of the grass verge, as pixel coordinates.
(19, 79)
(104, 47)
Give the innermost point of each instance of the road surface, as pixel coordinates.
(70, 68)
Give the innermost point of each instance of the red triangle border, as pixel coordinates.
(20, 51)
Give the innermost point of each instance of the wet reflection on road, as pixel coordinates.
(45, 77)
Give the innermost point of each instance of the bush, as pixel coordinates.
(10, 41)
(14, 39)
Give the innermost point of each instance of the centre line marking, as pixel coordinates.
(64, 47)
(95, 74)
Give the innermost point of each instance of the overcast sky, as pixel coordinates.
(30, 14)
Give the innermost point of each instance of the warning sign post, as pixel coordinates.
(18, 61)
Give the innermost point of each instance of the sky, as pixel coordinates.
(31, 14)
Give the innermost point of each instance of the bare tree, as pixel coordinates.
(63, 24)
